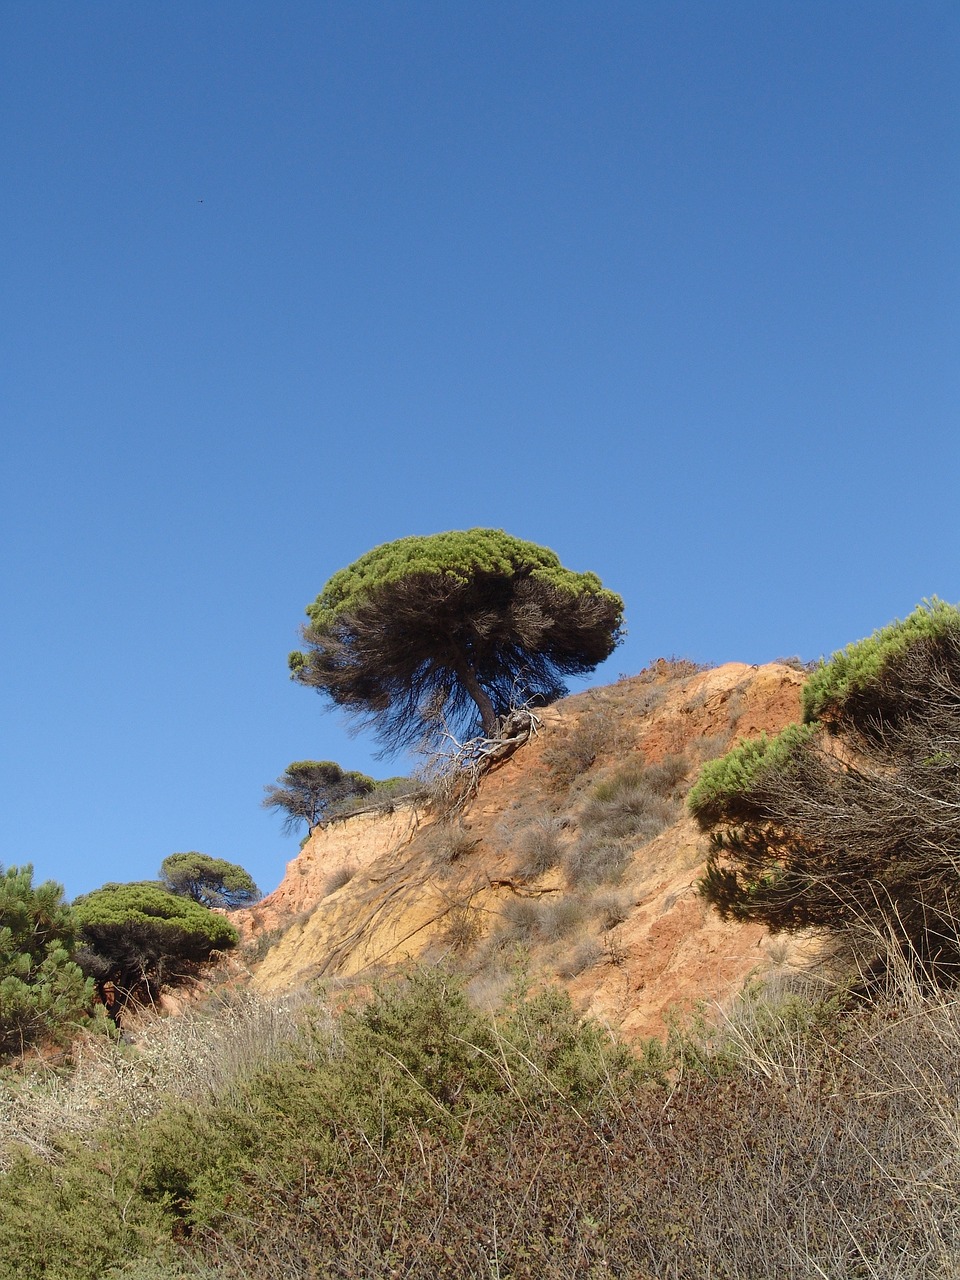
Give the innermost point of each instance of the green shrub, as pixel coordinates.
(147, 935)
(71, 1219)
(851, 822)
(724, 787)
(789, 1139)
(42, 991)
(839, 685)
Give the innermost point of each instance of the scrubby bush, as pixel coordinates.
(851, 822)
(425, 1139)
(337, 879)
(638, 801)
(593, 859)
(538, 848)
(524, 921)
(611, 910)
(462, 927)
(445, 843)
(519, 923)
(622, 812)
(586, 953)
(573, 749)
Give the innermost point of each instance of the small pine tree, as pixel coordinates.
(213, 882)
(42, 991)
(308, 790)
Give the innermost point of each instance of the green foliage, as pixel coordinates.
(416, 1064)
(70, 1219)
(459, 556)
(213, 882)
(415, 1058)
(120, 904)
(152, 936)
(857, 672)
(42, 991)
(419, 1137)
(308, 791)
(450, 631)
(725, 785)
(851, 823)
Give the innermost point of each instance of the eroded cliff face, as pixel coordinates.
(374, 891)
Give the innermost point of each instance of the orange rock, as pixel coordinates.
(404, 900)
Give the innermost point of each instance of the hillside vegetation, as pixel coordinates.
(439, 1063)
(414, 1136)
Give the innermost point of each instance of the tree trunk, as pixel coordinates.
(488, 717)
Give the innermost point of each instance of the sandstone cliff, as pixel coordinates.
(372, 891)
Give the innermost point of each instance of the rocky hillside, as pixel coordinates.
(576, 860)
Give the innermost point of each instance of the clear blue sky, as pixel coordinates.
(669, 287)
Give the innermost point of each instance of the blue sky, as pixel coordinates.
(671, 288)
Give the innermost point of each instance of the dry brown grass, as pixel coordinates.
(193, 1055)
(446, 843)
(625, 810)
(575, 747)
(337, 879)
(539, 847)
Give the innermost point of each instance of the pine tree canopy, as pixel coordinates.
(147, 932)
(213, 882)
(308, 790)
(449, 631)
